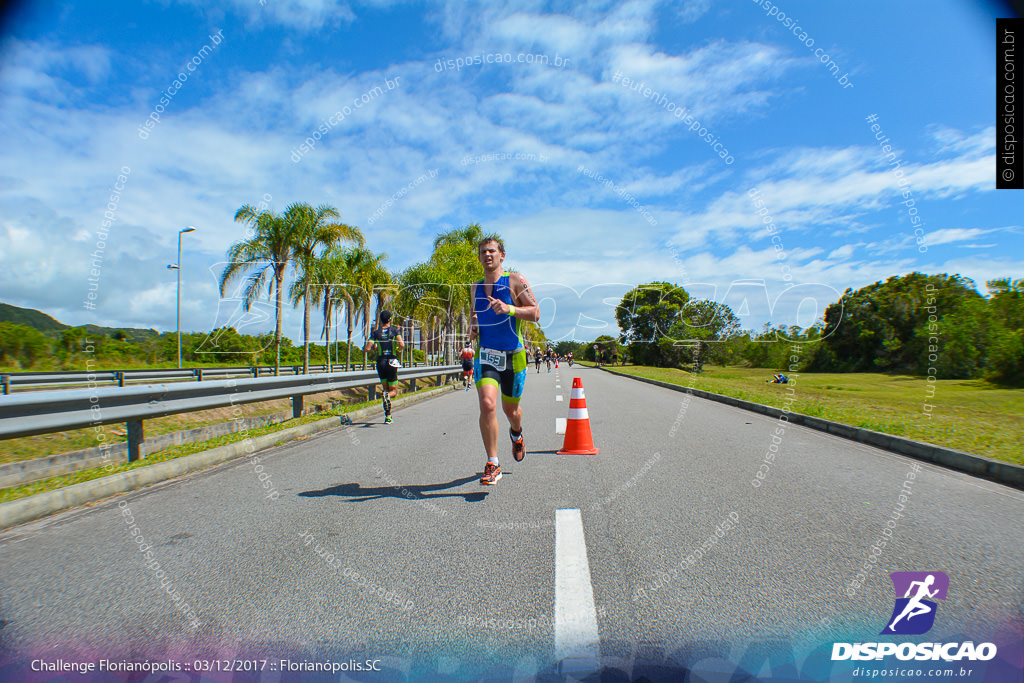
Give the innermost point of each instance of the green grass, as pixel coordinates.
(42, 445)
(173, 452)
(973, 415)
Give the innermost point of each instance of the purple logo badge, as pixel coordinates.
(914, 612)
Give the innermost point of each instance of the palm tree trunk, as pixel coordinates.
(327, 330)
(348, 342)
(277, 327)
(305, 332)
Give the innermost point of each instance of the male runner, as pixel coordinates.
(500, 301)
(387, 359)
(537, 358)
(467, 364)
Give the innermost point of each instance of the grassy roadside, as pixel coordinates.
(968, 415)
(173, 452)
(43, 445)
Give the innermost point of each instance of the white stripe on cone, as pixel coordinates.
(577, 393)
(578, 414)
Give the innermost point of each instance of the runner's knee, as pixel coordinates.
(488, 404)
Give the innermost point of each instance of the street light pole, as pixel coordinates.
(178, 268)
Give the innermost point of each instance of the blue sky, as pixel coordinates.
(595, 186)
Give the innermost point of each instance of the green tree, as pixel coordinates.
(884, 326)
(367, 272)
(699, 335)
(262, 258)
(436, 292)
(646, 314)
(1006, 347)
(311, 229)
(22, 345)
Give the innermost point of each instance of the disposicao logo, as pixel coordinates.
(914, 614)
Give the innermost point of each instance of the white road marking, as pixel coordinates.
(560, 423)
(576, 634)
(558, 397)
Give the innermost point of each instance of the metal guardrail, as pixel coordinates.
(44, 412)
(11, 380)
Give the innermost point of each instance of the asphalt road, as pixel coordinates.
(380, 544)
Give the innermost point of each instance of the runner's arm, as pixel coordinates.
(526, 304)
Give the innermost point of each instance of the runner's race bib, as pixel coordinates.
(495, 359)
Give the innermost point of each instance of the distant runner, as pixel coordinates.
(467, 364)
(500, 302)
(387, 360)
(537, 358)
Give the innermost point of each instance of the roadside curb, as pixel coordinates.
(976, 465)
(31, 508)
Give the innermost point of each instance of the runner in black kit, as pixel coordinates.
(387, 361)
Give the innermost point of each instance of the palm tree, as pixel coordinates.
(469, 234)
(436, 292)
(367, 272)
(330, 273)
(312, 230)
(264, 257)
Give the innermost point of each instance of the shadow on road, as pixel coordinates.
(357, 493)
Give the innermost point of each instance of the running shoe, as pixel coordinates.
(388, 419)
(518, 446)
(492, 473)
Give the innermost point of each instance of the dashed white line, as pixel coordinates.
(558, 397)
(560, 424)
(576, 634)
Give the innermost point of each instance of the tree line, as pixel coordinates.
(937, 325)
(332, 273)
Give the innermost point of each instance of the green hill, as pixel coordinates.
(32, 318)
(53, 328)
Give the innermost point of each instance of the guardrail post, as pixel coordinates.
(372, 392)
(440, 380)
(120, 377)
(199, 374)
(412, 384)
(136, 437)
(6, 381)
(255, 373)
(296, 406)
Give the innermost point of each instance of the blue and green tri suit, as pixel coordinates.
(501, 333)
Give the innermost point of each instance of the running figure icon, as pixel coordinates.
(915, 607)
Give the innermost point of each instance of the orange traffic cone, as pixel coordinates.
(578, 440)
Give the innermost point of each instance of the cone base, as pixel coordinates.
(590, 451)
